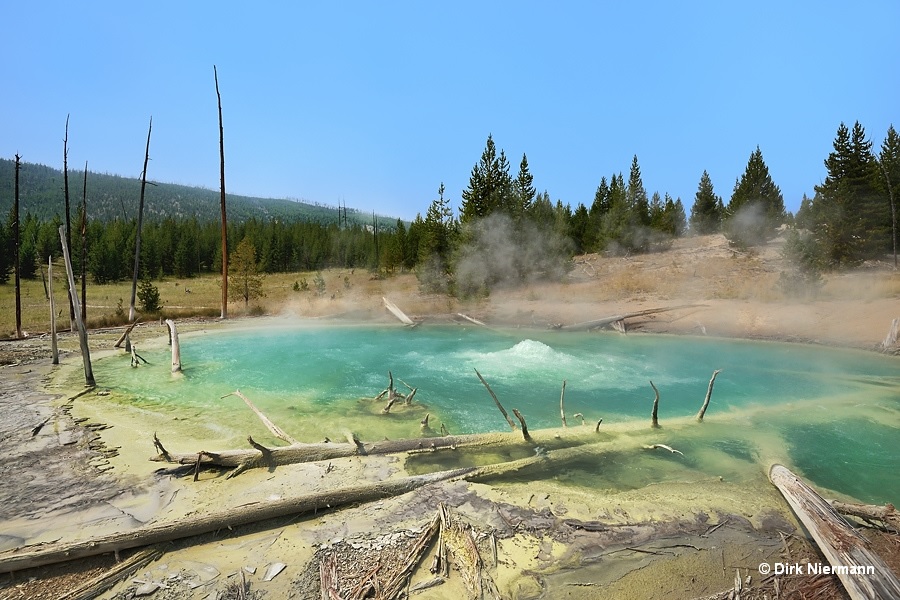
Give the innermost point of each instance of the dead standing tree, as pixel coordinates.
(67, 242)
(16, 257)
(84, 246)
(82, 332)
(222, 201)
(137, 240)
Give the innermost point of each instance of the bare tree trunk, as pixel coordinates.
(68, 241)
(137, 241)
(84, 246)
(54, 347)
(562, 410)
(16, 258)
(654, 421)
(222, 201)
(496, 401)
(176, 347)
(82, 332)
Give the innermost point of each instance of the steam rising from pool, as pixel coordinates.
(833, 414)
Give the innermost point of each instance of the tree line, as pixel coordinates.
(505, 231)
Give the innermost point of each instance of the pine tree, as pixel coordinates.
(244, 281)
(889, 165)
(706, 214)
(658, 213)
(637, 196)
(523, 191)
(490, 186)
(848, 223)
(756, 208)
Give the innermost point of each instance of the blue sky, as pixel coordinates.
(376, 103)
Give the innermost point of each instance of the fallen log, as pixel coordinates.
(471, 320)
(861, 571)
(397, 312)
(597, 323)
(36, 556)
(272, 427)
(96, 586)
(887, 514)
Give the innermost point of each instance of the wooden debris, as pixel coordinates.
(709, 390)
(562, 410)
(397, 312)
(597, 323)
(122, 337)
(272, 427)
(887, 514)
(471, 320)
(654, 421)
(861, 571)
(496, 401)
(176, 347)
(664, 447)
(127, 568)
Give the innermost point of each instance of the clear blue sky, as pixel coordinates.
(377, 103)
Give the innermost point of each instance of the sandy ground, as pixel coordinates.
(74, 478)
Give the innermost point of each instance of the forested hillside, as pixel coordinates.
(113, 197)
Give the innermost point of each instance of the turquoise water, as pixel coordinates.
(835, 414)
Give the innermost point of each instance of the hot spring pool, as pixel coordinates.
(832, 414)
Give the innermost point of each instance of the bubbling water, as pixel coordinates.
(833, 414)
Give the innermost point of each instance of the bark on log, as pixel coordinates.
(117, 573)
(862, 572)
(272, 427)
(887, 514)
(709, 390)
(496, 401)
(176, 347)
(29, 557)
(82, 332)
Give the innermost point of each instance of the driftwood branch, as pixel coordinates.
(709, 390)
(654, 421)
(272, 427)
(122, 337)
(887, 514)
(524, 426)
(562, 398)
(496, 401)
(861, 571)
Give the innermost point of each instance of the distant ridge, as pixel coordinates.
(113, 197)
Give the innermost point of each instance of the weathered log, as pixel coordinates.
(176, 347)
(862, 572)
(272, 427)
(302, 452)
(82, 332)
(471, 320)
(887, 514)
(890, 340)
(496, 401)
(597, 323)
(709, 390)
(36, 556)
(96, 586)
(397, 312)
(654, 421)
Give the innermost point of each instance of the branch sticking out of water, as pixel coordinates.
(562, 397)
(524, 426)
(654, 421)
(709, 390)
(496, 401)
